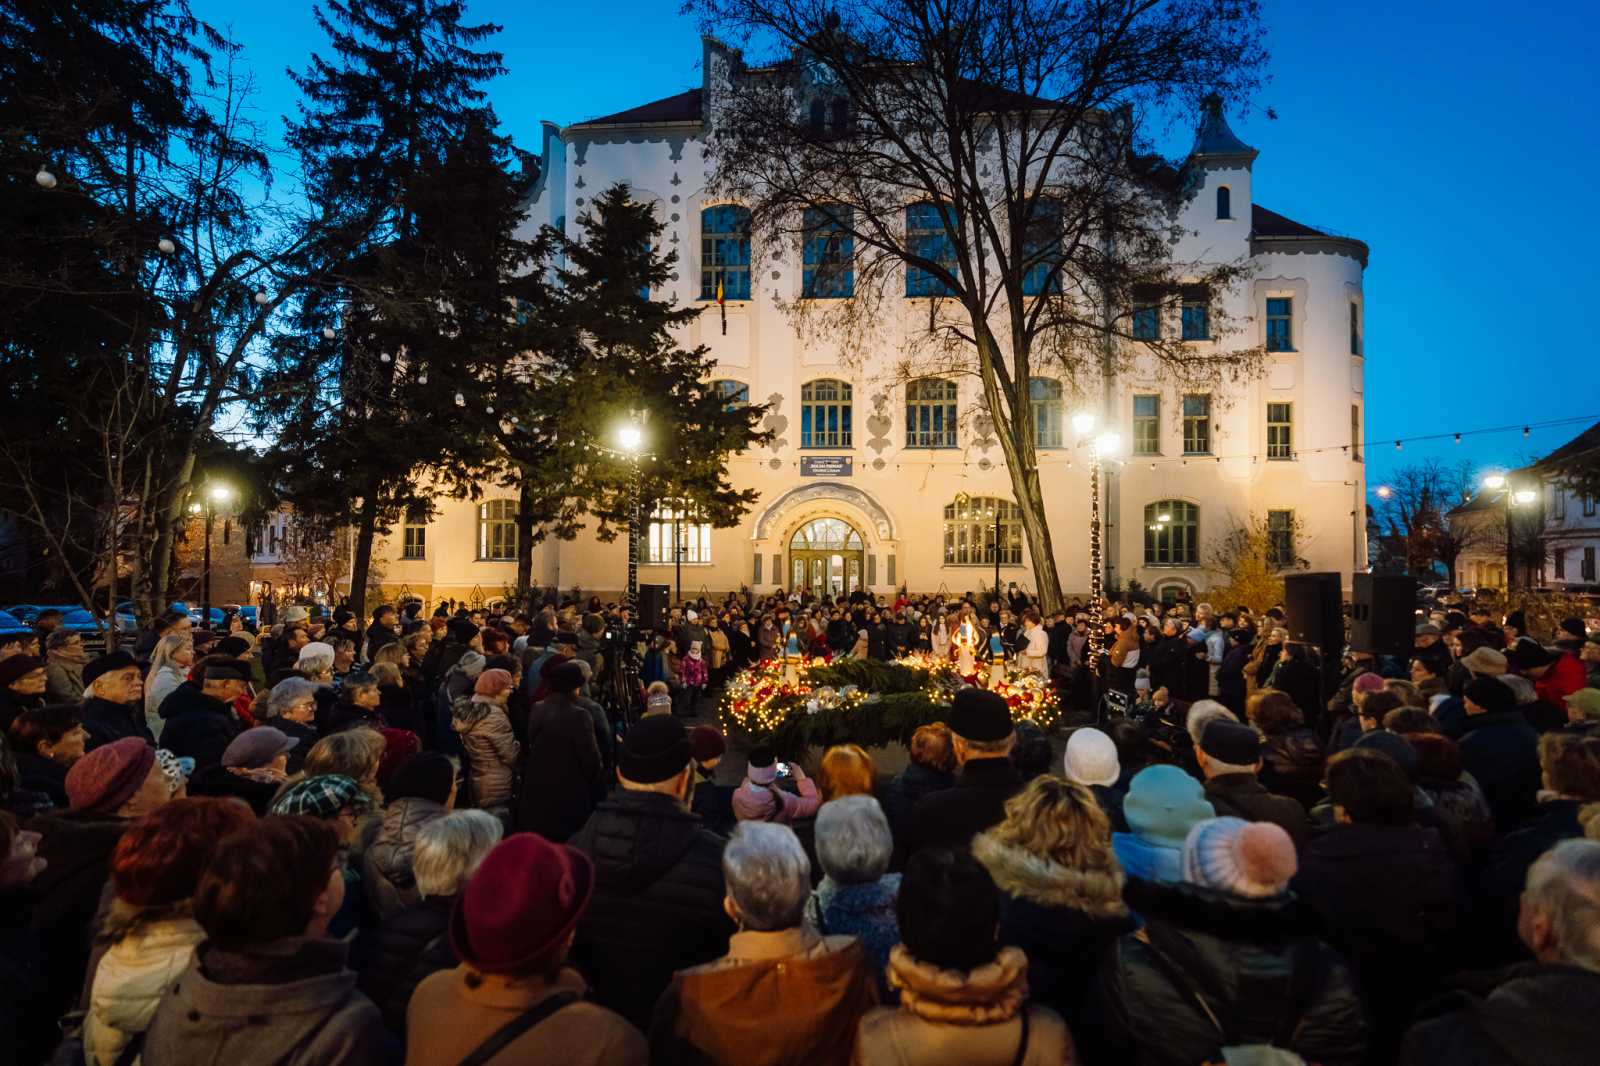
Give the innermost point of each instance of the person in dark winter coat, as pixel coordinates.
(1541, 1013)
(1387, 890)
(1231, 685)
(252, 770)
(1229, 957)
(265, 902)
(1291, 756)
(562, 776)
(113, 704)
(1501, 751)
(1230, 757)
(47, 741)
(932, 760)
(658, 898)
(199, 718)
(1167, 657)
(1570, 772)
(415, 942)
(983, 735)
(291, 708)
(1060, 888)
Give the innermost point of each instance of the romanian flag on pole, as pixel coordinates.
(722, 302)
(721, 296)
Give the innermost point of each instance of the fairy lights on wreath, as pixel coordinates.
(759, 699)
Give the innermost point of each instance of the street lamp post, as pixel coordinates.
(631, 437)
(997, 599)
(216, 494)
(1512, 498)
(1100, 446)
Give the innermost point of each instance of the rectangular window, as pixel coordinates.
(1041, 250)
(415, 545)
(1558, 502)
(828, 272)
(1147, 424)
(1355, 328)
(1280, 538)
(1280, 324)
(669, 525)
(1196, 313)
(1197, 424)
(725, 252)
(1588, 506)
(1560, 557)
(1355, 432)
(931, 413)
(1588, 564)
(1280, 431)
(1146, 314)
(928, 235)
(825, 413)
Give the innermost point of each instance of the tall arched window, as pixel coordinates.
(1171, 533)
(928, 235)
(725, 252)
(497, 530)
(733, 393)
(1046, 395)
(677, 534)
(825, 414)
(931, 413)
(1224, 202)
(969, 532)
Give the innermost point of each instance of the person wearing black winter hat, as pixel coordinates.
(657, 904)
(1229, 755)
(113, 704)
(1501, 751)
(983, 735)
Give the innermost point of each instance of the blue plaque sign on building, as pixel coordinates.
(825, 465)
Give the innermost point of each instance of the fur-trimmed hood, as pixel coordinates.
(1019, 873)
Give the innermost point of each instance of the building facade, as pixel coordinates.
(875, 482)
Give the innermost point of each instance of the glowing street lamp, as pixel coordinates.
(1107, 442)
(216, 495)
(1513, 498)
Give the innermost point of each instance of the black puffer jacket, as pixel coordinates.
(409, 946)
(1533, 1014)
(657, 905)
(1242, 957)
(1291, 765)
(197, 725)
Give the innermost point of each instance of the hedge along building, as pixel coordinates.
(873, 481)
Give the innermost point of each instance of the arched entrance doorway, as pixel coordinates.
(827, 556)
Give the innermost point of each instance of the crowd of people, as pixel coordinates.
(444, 839)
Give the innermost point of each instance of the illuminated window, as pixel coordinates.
(969, 532)
(673, 523)
(1176, 541)
(497, 530)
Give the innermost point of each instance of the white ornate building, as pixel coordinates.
(861, 480)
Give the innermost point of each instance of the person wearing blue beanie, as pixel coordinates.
(1162, 805)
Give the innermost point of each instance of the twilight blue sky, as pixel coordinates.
(1458, 140)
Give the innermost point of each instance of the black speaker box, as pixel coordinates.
(1383, 614)
(653, 600)
(1314, 604)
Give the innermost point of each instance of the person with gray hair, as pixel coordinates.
(857, 894)
(711, 1013)
(415, 942)
(291, 708)
(1546, 1011)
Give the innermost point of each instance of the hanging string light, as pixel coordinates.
(166, 246)
(263, 299)
(385, 357)
(327, 333)
(45, 179)
(461, 401)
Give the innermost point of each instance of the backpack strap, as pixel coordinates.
(508, 1032)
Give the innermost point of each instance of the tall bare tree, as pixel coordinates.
(1412, 514)
(1019, 129)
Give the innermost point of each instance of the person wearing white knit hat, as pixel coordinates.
(1091, 758)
